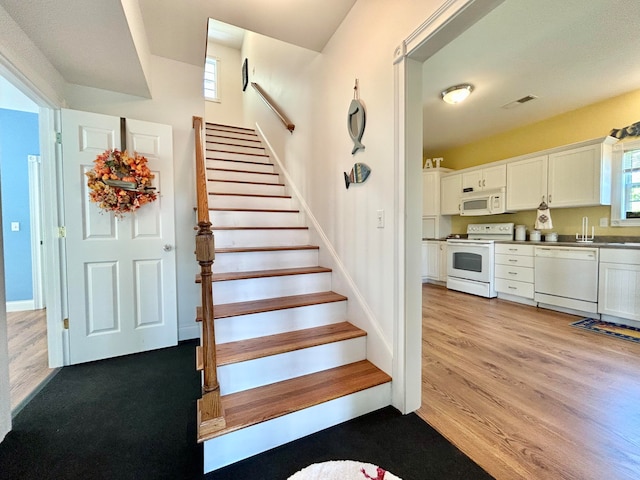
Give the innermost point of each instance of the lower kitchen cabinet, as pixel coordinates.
(619, 283)
(514, 271)
(434, 261)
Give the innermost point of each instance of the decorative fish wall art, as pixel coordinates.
(359, 173)
(356, 120)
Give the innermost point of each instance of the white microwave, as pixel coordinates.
(487, 202)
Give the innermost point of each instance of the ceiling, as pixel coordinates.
(89, 42)
(568, 53)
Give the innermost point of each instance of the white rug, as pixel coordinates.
(343, 470)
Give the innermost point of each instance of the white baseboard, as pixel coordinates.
(20, 305)
(188, 332)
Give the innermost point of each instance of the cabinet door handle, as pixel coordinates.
(513, 249)
(484, 182)
(513, 288)
(479, 183)
(549, 198)
(513, 260)
(513, 273)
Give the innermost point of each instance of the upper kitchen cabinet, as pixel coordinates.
(581, 177)
(575, 176)
(431, 190)
(527, 183)
(489, 178)
(450, 192)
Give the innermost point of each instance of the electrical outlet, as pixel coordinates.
(604, 222)
(15, 226)
(380, 217)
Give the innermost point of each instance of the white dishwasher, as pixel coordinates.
(567, 277)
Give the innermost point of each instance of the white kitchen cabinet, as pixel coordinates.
(434, 225)
(527, 183)
(580, 177)
(514, 272)
(434, 258)
(619, 284)
(450, 191)
(489, 178)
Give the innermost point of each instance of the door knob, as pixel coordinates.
(167, 248)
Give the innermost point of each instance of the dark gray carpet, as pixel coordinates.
(134, 417)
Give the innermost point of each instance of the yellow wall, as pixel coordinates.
(586, 123)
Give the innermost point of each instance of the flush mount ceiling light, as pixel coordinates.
(457, 93)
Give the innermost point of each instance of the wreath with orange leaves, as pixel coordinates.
(120, 183)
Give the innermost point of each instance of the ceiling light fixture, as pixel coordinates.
(457, 93)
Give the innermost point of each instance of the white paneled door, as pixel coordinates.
(121, 272)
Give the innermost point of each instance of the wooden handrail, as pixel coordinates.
(211, 414)
(283, 118)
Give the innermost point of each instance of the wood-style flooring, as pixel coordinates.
(28, 354)
(524, 394)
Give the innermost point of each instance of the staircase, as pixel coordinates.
(288, 361)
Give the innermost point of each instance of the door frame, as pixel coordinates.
(52, 247)
(451, 19)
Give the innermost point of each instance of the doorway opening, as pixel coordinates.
(21, 193)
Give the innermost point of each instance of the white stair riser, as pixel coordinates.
(243, 176)
(248, 166)
(232, 291)
(242, 327)
(219, 154)
(232, 138)
(246, 188)
(251, 261)
(245, 201)
(255, 219)
(275, 368)
(260, 238)
(229, 146)
(232, 133)
(227, 449)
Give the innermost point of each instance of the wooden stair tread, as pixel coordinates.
(227, 170)
(259, 228)
(217, 125)
(238, 153)
(217, 134)
(248, 162)
(228, 144)
(281, 272)
(266, 249)
(260, 195)
(246, 183)
(260, 347)
(261, 404)
(199, 358)
(263, 210)
(226, 310)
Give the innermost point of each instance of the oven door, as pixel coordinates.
(470, 260)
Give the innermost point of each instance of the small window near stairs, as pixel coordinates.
(211, 91)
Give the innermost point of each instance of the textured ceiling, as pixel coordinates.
(568, 53)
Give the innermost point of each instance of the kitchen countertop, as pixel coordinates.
(633, 244)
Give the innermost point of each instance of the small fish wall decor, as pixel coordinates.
(356, 120)
(632, 130)
(359, 173)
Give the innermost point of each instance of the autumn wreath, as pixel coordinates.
(120, 183)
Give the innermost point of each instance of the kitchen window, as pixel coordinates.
(211, 68)
(625, 202)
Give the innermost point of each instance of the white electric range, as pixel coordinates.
(470, 260)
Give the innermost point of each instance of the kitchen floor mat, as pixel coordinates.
(617, 330)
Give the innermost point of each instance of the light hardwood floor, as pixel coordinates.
(525, 395)
(28, 354)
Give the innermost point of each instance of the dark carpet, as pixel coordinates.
(134, 417)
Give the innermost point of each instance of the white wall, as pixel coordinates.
(177, 97)
(315, 90)
(229, 109)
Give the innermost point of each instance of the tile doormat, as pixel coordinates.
(617, 330)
